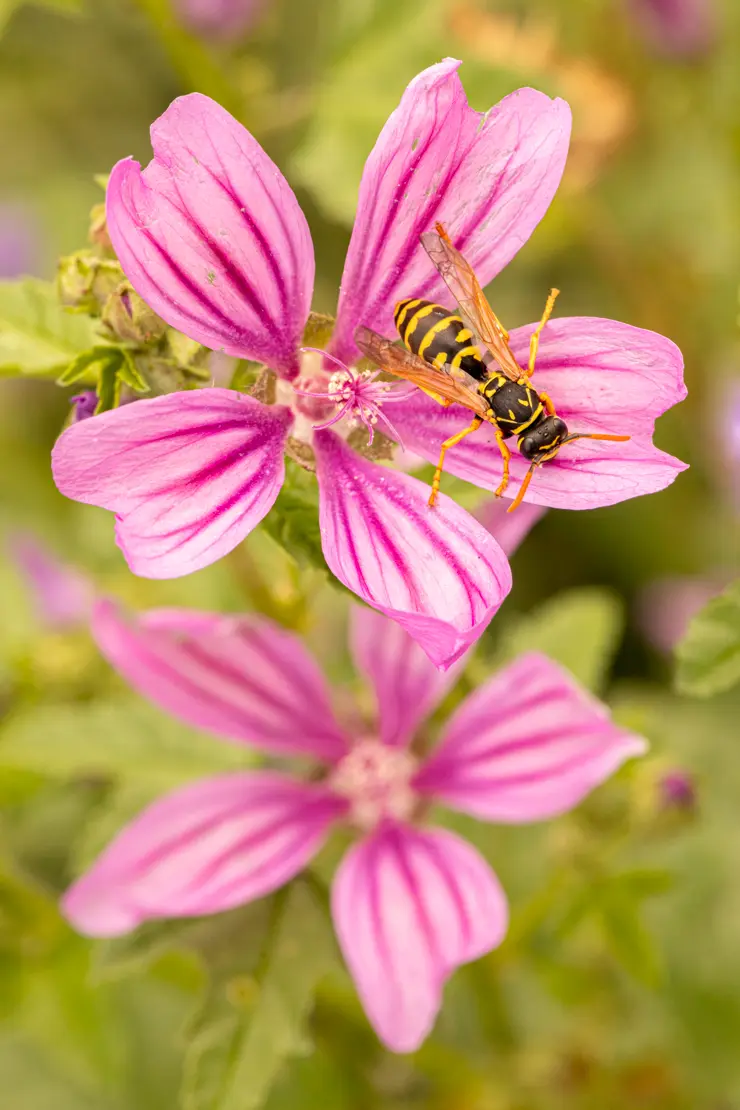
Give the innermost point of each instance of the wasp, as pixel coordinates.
(444, 350)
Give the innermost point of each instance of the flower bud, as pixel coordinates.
(84, 405)
(98, 231)
(130, 318)
(85, 281)
(677, 790)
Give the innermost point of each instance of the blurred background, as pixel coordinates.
(625, 998)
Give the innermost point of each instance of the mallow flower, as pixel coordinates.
(62, 595)
(677, 28)
(211, 236)
(410, 901)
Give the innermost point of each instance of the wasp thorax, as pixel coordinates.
(376, 781)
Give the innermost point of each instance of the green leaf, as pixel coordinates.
(630, 942)
(129, 373)
(122, 737)
(88, 366)
(643, 882)
(293, 521)
(245, 375)
(579, 629)
(133, 953)
(37, 336)
(253, 1019)
(709, 654)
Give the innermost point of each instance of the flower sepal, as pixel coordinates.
(129, 319)
(294, 520)
(85, 281)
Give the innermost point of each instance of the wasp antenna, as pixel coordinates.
(522, 489)
(595, 435)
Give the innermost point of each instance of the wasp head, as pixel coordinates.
(544, 440)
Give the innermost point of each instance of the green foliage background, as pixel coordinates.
(619, 984)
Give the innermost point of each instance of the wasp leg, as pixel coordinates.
(451, 442)
(547, 402)
(505, 456)
(534, 341)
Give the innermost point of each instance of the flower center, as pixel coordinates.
(376, 781)
(355, 396)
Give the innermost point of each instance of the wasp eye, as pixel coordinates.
(529, 446)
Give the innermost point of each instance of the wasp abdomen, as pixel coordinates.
(516, 405)
(438, 336)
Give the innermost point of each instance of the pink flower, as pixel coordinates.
(410, 902)
(682, 28)
(19, 242)
(510, 529)
(667, 605)
(220, 19)
(212, 237)
(62, 596)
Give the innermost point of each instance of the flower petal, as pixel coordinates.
(603, 375)
(410, 905)
(212, 237)
(488, 177)
(62, 596)
(240, 677)
(207, 847)
(438, 572)
(407, 685)
(527, 745)
(188, 474)
(509, 529)
(585, 475)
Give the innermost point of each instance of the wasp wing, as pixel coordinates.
(459, 277)
(397, 360)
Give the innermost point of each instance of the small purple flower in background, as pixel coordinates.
(18, 242)
(221, 19)
(677, 789)
(410, 902)
(666, 606)
(212, 238)
(681, 28)
(62, 596)
(84, 405)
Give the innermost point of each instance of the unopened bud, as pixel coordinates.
(130, 318)
(677, 791)
(98, 231)
(84, 405)
(86, 281)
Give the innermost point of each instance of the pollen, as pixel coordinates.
(377, 782)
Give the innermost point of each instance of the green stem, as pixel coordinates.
(191, 59)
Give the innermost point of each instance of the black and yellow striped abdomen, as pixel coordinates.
(439, 337)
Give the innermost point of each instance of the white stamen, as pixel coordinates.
(376, 780)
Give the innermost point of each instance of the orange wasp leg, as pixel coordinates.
(547, 402)
(451, 442)
(534, 341)
(505, 456)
